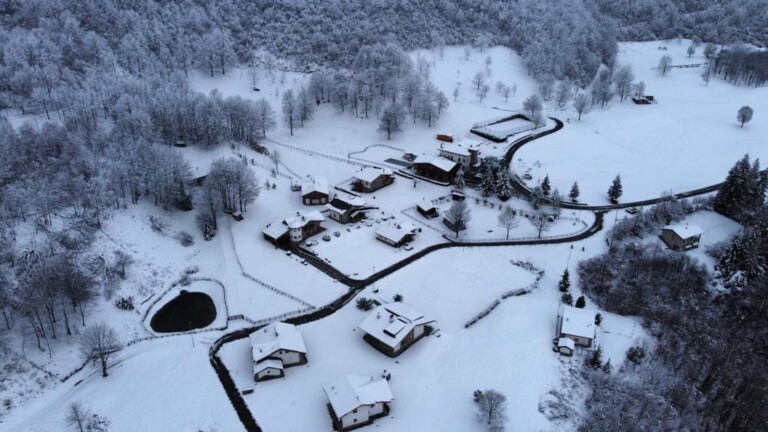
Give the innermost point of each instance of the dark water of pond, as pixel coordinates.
(188, 311)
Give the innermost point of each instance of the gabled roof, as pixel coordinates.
(438, 162)
(578, 322)
(425, 205)
(351, 391)
(300, 220)
(565, 342)
(267, 364)
(314, 184)
(275, 230)
(370, 174)
(274, 337)
(390, 323)
(685, 231)
(341, 203)
(459, 148)
(396, 231)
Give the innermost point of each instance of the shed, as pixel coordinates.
(681, 237)
(427, 209)
(566, 346)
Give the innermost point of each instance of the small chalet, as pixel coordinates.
(463, 153)
(436, 168)
(314, 191)
(372, 179)
(294, 229)
(355, 401)
(347, 209)
(426, 209)
(681, 237)
(396, 234)
(392, 328)
(576, 324)
(274, 348)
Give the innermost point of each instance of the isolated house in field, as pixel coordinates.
(294, 229)
(436, 168)
(464, 154)
(576, 324)
(347, 209)
(396, 234)
(274, 348)
(681, 237)
(314, 191)
(355, 401)
(372, 179)
(427, 209)
(392, 328)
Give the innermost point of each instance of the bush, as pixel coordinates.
(567, 298)
(157, 224)
(125, 303)
(636, 354)
(185, 238)
(185, 280)
(595, 361)
(598, 319)
(581, 302)
(364, 304)
(191, 270)
(398, 298)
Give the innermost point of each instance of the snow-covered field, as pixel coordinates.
(688, 140)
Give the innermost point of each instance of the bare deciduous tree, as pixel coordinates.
(541, 222)
(492, 409)
(581, 104)
(532, 104)
(458, 215)
(99, 341)
(77, 415)
(507, 219)
(664, 64)
(744, 115)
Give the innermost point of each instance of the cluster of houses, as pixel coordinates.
(353, 400)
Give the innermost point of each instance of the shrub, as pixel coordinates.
(595, 361)
(581, 302)
(598, 319)
(398, 298)
(125, 303)
(185, 238)
(636, 354)
(567, 298)
(364, 303)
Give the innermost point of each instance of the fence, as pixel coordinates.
(322, 155)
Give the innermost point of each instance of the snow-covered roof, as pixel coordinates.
(685, 231)
(341, 203)
(347, 393)
(458, 148)
(276, 336)
(300, 220)
(565, 342)
(396, 231)
(439, 162)
(267, 364)
(314, 184)
(578, 322)
(390, 323)
(425, 205)
(275, 230)
(370, 174)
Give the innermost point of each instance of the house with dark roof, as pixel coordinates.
(314, 191)
(436, 168)
(347, 209)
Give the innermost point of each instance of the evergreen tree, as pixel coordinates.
(607, 367)
(546, 187)
(567, 298)
(743, 191)
(504, 185)
(581, 302)
(574, 193)
(565, 281)
(488, 182)
(596, 359)
(459, 181)
(537, 196)
(615, 191)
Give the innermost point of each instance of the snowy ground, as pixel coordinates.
(688, 140)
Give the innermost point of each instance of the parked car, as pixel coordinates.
(632, 210)
(337, 234)
(327, 237)
(408, 247)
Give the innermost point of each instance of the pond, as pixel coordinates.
(188, 311)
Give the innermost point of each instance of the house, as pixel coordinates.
(392, 328)
(463, 153)
(355, 401)
(427, 209)
(314, 191)
(454, 226)
(347, 209)
(294, 229)
(566, 346)
(396, 234)
(372, 179)
(274, 348)
(681, 237)
(436, 168)
(576, 324)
